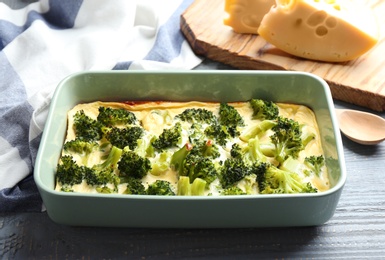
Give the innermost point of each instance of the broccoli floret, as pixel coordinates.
(229, 116)
(227, 126)
(232, 171)
(122, 137)
(196, 133)
(111, 117)
(190, 161)
(160, 187)
(80, 147)
(133, 165)
(87, 128)
(196, 166)
(309, 188)
(236, 172)
(104, 173)
(218, 132)
(233, 190)
(209, 149)
(286, 139)
(66, 188)
(69, 173)
(135, 187)
(178, 158)
(273, 180)
(259, 168)
(315, 163)
(264, 109)
(236, 151)
(169, 138)
(206, 149)
(197, 115)
(101, 177)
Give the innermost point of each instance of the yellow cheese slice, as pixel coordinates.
(245, 16)
(325, 30)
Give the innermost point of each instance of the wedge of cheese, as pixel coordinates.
(325, 30)
(245, 16)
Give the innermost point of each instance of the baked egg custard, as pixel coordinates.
(192, 149)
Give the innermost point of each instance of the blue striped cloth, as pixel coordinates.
(46, 41)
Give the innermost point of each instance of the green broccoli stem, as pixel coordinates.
(254, 150)
(283, 151)
(268, 149)
(179, 156)
(210, 149)
(184, 186)
(112, 159)
(292, 165)
(307, 137)
(198, 187)
(80, 147)
(255, 130)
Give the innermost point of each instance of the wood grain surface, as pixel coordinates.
(360, 82)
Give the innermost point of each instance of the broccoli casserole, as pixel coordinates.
(192, 148)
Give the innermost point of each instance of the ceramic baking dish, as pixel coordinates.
(180, 211)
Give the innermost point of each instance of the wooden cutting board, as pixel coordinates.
(360, 82)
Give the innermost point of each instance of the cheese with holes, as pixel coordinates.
(325, 30)
(245, 16)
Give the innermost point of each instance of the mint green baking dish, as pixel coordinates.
(190, 212)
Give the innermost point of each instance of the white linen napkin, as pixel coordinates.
(46, 41)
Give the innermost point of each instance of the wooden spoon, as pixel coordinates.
(361, 127)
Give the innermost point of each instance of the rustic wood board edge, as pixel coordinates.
(215, 52)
